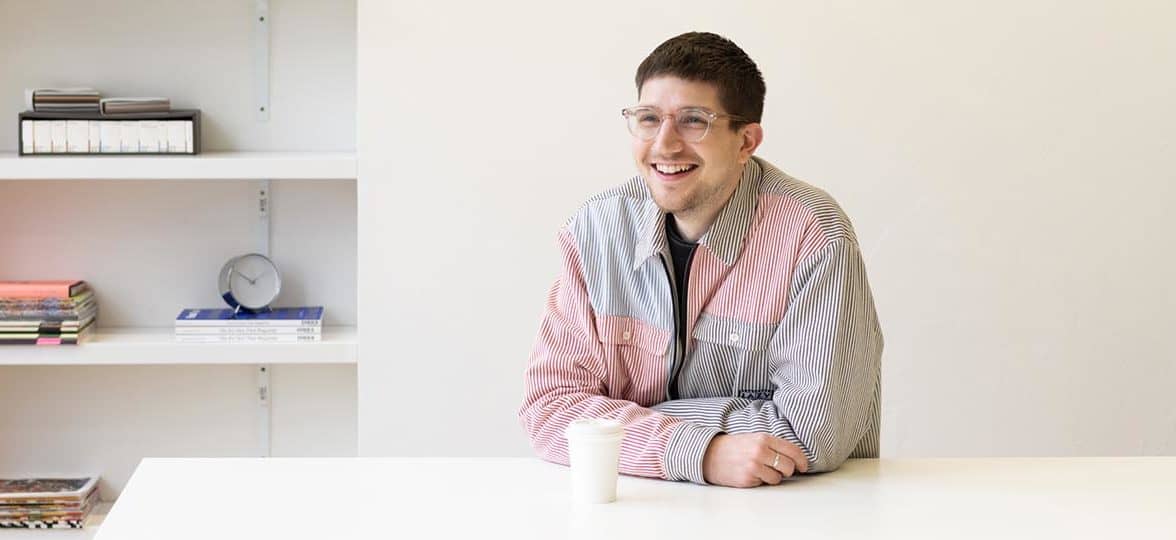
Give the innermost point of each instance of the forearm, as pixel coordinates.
(655, 444)
(732, 416)
(825, 441)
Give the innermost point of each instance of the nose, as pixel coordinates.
(667, 141)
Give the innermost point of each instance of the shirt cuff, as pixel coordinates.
(683, 459)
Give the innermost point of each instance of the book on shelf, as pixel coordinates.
(41, 289)
(47, 501)
(46, 335)
(121, 105)
(15, 313)
(44, 326)
(62, 99)
(171, 132)
(23, 314)
(302, 324)
(84, 297)
(289, 338)
(44, 338)
(46, 312)
(222, 317)
(249, 330)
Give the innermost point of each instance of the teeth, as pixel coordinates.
(671, 169)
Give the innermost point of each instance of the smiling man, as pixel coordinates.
(715, 306)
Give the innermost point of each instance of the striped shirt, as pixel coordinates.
(784, 336)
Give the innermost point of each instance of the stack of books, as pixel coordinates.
(68, 100)
(46, 312)
(80, 121)
(47, 502)
(278, 325)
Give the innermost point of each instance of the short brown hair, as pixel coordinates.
(714, 59)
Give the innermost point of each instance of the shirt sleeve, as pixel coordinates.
(566, 380)
(826, 385)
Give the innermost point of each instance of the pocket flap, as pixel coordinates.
(629, 331)
(723, 331)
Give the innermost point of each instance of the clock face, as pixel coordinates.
(252, 281)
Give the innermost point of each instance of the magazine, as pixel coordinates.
(55, 489)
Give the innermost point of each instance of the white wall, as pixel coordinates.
(107, 418)
(199, 54)
(150, 247)
(1007, 166)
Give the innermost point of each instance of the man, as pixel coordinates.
(714, 305)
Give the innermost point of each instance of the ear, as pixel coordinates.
(752, 136)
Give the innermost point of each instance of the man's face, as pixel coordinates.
(712, 166)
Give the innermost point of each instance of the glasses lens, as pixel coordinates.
(643, 122)
(693, 125)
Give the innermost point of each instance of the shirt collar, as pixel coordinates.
(725, 237)
(652, 227)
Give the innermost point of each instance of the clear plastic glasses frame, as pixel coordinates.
(692, 123)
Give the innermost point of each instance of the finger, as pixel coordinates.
(769, 475)
(791, 451)
(777, 461)
(785, 465)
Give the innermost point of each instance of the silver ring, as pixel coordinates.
(776, 462)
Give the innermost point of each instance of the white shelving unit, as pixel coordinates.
(157, 346)
(150, 232)
(206, 166)
(151, 346)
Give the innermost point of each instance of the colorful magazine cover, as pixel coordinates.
(50, 489)
(61, 289)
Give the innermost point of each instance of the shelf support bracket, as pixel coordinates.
(263, 398)
(261, 63)
(263, 217)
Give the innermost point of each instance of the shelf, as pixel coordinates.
(205, 166)
(93, 521)
(157, 346)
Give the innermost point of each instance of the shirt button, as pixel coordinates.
(627, 335)
(734, 337)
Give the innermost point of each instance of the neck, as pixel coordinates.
(692, 223)
(691, 226)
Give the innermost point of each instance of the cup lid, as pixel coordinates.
(594, 427)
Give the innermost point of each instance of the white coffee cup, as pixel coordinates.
(594, 449)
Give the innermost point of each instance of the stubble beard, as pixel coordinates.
(696, 201)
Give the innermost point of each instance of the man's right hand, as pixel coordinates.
(745, 460)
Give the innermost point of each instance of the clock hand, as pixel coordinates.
(252, 281)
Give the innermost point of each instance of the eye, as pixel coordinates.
(648, 118)
(694, 120)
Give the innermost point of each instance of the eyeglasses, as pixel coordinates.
(692, 123)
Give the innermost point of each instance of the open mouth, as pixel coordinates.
(674, 170)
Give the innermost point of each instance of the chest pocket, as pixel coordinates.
(729, 358)
(634, 357)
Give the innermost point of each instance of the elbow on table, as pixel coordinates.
(823, 465)
(825, 459)
(546, 446)
(549, 450)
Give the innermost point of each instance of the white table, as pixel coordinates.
(346, 498)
